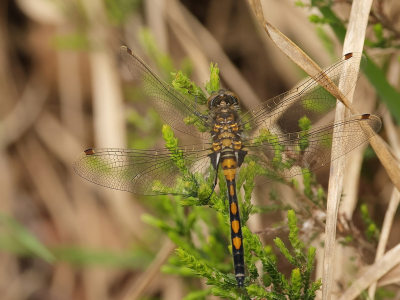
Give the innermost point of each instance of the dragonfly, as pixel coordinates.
(266, 143)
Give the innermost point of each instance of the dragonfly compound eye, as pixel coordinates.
(213, 100)
(234, 99)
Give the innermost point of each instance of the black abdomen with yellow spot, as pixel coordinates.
(227, 147)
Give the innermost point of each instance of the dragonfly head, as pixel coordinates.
(223, 98)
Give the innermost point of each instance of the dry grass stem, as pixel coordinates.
(391, 277)
(88, 213)
(352, 176)
(7, 185)
(63, 281)
(377, 270)
(70, 91)
(155, 18)
(136, 290)
(173, 288)
(349, 197)
(108, 107)
(347, 206)
(24, 285)
(24, 113)
(392, 135)
(54, 195)
(354, 41)
(386, 227)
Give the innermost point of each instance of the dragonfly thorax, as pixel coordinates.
(226, 136)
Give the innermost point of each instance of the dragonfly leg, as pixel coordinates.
(197, 113)
(215, 183)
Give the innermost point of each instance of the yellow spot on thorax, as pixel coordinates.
(237, 145)
(217, 127)
(234, 127)
(216, 146)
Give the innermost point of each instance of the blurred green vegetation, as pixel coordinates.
(16, 239)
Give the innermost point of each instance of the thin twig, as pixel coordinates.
(154, 10)
(24, 113)
(136, 290)
(378, 269)
(354, 41)
(49, 186)
(271, 230)
(387, 226)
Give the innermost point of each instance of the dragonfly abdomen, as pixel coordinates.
(236, 233)
(229, 165)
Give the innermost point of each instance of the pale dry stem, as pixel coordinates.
(378, 269)
(154, 10)
(386, 227)
(108, 106)
(54, 196)
(139, 287)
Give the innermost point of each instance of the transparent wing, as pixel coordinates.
(282, 113)
(172, 106)
(271, 157)
(145, 172)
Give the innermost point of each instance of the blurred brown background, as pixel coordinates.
(63, 89)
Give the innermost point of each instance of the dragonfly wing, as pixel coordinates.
(145, 172)
(282, 113)
(172, 106)
(271, 157)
